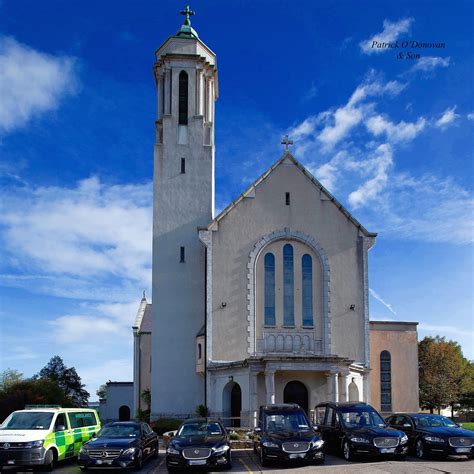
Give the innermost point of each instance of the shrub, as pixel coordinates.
(165, 424)
(143, 415)
(202, 411)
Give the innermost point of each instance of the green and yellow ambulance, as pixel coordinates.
(42, 436)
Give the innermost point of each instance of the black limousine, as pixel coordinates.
(433, 434)
(199, 443)
(357, 429)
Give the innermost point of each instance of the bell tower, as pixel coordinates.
(186, 79)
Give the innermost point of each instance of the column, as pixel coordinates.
(253, 399)
(332, 386)
(344, 381)
(270, 386)
(366, 387)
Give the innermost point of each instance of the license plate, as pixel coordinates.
(197, 462)
(11, 461)
(463, 450)
(296, 456)
(387, 450)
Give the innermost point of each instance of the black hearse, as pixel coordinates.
(433, 434)
(356, 429)
(199, 443)
(285, 433)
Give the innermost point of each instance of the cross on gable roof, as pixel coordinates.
(287, 156)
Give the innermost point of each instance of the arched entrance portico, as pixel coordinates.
(296, 392)
(232, 404)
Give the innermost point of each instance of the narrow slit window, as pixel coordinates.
(385, 381)
(181, 254)
(269, 289)
(287, 199)
(288, 286)
(183, 98)
(307, 293)
(183, 165)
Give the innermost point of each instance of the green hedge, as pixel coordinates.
(468, 426)
(165, 424)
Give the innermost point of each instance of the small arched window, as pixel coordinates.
(385, 381)
(288, 286)
(183, 99)
(307, 293)
(199, 351)
(269, 289)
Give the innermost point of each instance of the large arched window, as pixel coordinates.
(307, 289)
(183, 99)
(288, 286)
(269, 289)
(385, 381)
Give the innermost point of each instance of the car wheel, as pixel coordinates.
(48, 465)
(347, 451)
(420, 449)
(263, 459)
(139, 461)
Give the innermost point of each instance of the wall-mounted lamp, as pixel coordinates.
(223, 304)
(231, 378)
(352, 307)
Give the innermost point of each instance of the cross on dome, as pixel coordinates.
(188, 13)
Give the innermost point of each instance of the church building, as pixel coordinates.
(266, 302)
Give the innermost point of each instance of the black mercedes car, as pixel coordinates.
(122, 444)
(200, 443)
(357, 429)
(285, 434)
(433, 434)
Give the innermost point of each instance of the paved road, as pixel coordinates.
(245, 461)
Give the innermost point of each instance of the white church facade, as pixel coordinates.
(266, 302)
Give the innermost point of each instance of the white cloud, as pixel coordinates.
(390, 33)
(31, 82)
(400, 132)
(72, 238)
(430, 63)
(448, 117)
(470, 116)
(379, 165)
(379, 298)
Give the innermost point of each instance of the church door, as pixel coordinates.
(236, 404)
(124, 413)
(296, 392)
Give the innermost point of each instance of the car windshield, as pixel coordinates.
(359, 417)
(284, 421)
(200, 429)
(433, 421)
(119, 431)
(28, 420)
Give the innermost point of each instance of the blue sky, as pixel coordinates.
(391, 138)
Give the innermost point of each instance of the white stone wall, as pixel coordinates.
(311, 213)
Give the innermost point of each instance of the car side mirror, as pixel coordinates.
(460, 425)
(94, 435)
(60, 428)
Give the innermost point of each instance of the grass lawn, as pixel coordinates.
(468, 426)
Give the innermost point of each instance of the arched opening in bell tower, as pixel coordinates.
(183, 98)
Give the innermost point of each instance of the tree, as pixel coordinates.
(67, 378)
(30, 392)
(442, 368)
(9, 377)
(102, 391)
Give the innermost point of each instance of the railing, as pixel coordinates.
(290, 341)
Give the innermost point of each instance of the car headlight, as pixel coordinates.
(84, 449)
(404, 439)
(34, 444)
(317, 444)
(356, 439)
(269, 444)
(171, 450)
(129, 451)
(434, 439)
(221, 449)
